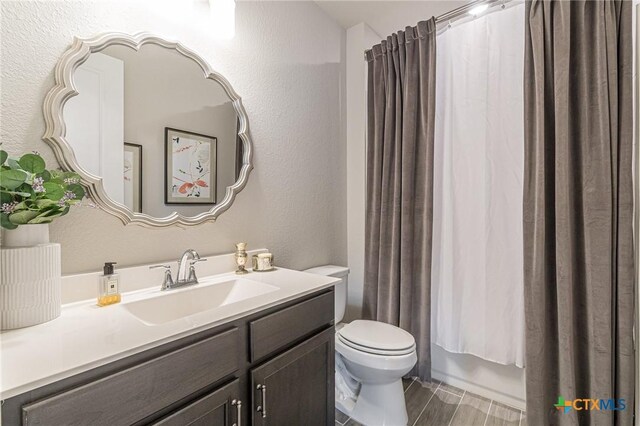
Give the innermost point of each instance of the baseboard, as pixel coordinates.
(479, 390)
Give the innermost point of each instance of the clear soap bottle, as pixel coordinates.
(109, 286)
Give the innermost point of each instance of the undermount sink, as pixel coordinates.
(175, 304)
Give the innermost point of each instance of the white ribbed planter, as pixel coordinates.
(26, 236)
(30, 278)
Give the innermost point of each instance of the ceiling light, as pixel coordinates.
(477, 10)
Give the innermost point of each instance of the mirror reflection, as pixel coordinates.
(163, 138)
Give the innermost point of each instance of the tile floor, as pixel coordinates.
(442, 405)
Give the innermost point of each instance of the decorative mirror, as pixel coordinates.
(157, 136)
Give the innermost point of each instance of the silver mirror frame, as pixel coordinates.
(55, 129)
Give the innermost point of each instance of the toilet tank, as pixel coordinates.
(340, 291)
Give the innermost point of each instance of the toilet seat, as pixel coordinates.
(376, 338)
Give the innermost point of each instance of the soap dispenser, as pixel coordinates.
(109, 286)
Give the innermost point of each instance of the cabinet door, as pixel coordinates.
(297, 387)
(221, 407)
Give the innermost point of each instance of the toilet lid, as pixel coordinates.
(365, 349)
(376, 337)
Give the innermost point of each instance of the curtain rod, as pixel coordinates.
(460, 11)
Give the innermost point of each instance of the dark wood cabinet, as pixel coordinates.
(222, 407)
(280, 360)
(272, 332)
(296, 387)
(142, 390)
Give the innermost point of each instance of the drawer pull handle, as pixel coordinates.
(238, 405)
(263, 408)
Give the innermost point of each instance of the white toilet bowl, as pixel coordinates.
(377, 355)
(371, 359)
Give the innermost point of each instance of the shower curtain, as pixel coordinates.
(477, 265)
(400, 130)
(578, 224)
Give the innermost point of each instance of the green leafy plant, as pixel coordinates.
(31, 194)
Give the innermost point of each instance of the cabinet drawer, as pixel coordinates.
(218, 408)
(277, 330)
(137, 392)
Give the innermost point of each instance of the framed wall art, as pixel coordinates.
(190, 167)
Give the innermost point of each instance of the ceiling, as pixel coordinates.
(386, 16)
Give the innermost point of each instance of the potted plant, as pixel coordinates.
(31, 197)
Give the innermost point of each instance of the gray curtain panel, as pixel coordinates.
(401, 115)
(578, 203)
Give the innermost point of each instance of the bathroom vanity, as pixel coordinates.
(232, 350)
(266, 360)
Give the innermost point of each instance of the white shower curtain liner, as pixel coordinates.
(477, 271)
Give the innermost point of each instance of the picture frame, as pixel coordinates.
(132, 175)
(190, 167)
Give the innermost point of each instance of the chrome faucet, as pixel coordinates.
(191, 256)
(184, 276)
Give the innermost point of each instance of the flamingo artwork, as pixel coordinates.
(191, 177)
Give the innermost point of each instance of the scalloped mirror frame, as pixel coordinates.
(55, 129)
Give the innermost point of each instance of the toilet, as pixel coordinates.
(371, 359)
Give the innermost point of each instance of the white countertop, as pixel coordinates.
(86, 336)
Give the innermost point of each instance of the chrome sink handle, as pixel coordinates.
(192, 270)
(167, 283)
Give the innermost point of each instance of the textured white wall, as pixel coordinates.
(285, 61)
(359, 38)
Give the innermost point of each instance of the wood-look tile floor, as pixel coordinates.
(440, 404)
